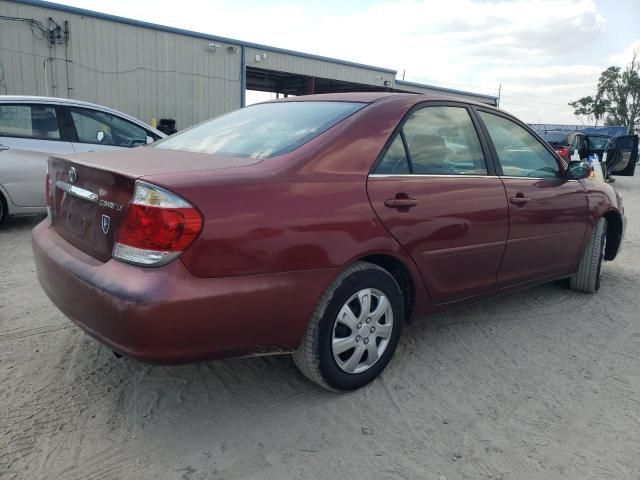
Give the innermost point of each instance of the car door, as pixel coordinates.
(95, 130)
(433, 191)
(29, 133)
(547, 213)
(627, 147)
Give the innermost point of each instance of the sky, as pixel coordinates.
(540, 53)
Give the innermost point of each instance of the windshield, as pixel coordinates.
(597, 143)
(261, 131)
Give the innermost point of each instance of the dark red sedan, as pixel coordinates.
(315, 226)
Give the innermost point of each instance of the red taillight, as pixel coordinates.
(562, 151)
(158, 226)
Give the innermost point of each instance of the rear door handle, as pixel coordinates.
(400, 202)
(3, 147)
(519, 200)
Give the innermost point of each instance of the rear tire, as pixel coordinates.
(4, 211)
(587, 277)
(354, 329)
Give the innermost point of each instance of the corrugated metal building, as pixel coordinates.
(153, 71)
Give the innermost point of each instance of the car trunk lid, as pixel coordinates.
(91, 192)
(88, 205)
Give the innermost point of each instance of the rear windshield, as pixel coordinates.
(597, 143)
(554, 138)
(261, 131)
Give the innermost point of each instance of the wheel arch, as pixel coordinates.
(614, 234)
(402, 276)
(4, 205)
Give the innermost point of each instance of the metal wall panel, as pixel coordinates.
(151, 71)
(144, 72)
(280, 62)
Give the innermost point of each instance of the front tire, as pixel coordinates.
(587, 278)
(354, 330)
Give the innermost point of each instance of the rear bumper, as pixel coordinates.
(165, 314)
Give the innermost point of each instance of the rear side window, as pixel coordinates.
(261, 131)
(520, 153)
(443, 140)
(29, 121)
(395, 160)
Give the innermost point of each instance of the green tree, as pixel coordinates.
(617, 98)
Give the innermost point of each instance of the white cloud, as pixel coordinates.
(464, 44)
(624, 57)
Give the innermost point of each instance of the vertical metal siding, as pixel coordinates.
(143, 72)
(316, 68)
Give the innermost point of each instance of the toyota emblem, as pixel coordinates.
(73, 175)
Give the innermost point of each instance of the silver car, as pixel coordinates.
(32, 128)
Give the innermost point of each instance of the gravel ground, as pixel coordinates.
(541, 384)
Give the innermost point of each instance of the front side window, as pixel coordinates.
(29, 121)
(443, 140)
(520, 153)
(263, 130)
(93, 126)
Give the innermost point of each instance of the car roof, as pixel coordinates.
(75, 103)
(371, 97)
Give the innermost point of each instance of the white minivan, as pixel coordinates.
(32, 128)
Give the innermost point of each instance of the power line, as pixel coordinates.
(118, 72)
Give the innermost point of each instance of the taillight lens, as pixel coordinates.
(563, 152)
(158, 227)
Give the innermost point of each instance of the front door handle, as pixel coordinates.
(519, 200)
(3, 147)
(400, 202)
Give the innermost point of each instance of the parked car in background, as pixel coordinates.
(316, 226)
(622, 151)
(32, 128)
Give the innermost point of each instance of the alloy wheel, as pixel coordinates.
(362, 330)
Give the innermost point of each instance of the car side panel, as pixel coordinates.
(23, 168)
(545, 234)
(456, 232)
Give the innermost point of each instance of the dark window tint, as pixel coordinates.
(556, 138)
(442, 140)
(597, 143)
(519, 152)
(29, 121)
(103, 128)
(261, 131)
(395, 159)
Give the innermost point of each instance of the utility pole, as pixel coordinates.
(403, 72)
(499, 93)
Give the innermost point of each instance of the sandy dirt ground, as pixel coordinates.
(541, 384)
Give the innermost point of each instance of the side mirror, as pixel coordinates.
(578, 170)
(149, 139)
(100, 136)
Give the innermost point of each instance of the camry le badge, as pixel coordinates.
(73, 175)
(106, 221)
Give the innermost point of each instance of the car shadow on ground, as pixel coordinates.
(229, 390)
(17, 224)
